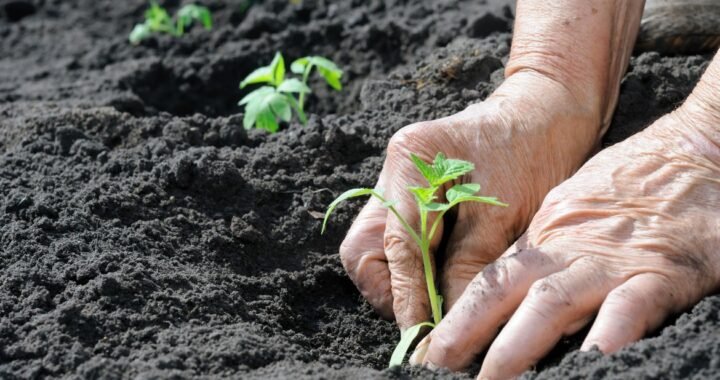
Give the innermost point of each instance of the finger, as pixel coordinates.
(630, 311)
(486, 304)
(557, 305)
(363, 256)
(411, 303)
(472, 245)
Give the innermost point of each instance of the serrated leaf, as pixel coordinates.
(298, 65)
(406, 339)
(293, 85)
(442, 169)
(424, 195)
(449, 169)
(461, 190)
(426, 170)
(352, 193)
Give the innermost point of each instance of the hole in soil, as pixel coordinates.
(212, 90)
(17, 10)
(208, 90)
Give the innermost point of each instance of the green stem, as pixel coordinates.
(402, 220)
(306, 75)
(427, 267)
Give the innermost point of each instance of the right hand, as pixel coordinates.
(526, 138)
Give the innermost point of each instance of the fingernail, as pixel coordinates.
(431, 366)
(418, 355)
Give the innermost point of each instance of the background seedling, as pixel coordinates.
(440, 172)
(157, 20)
(276, 100)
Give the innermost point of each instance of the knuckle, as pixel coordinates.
(408, 138)
(547, 295)
(399, 250)
(494, 278)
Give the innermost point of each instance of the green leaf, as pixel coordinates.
(442, 169)
(461, 190)
(266, 120)
(331, 77)
(259, 75)
(252, 110)
(190, 12)
(471, 198)
(436, 206)
(426, 170)
(449, 169)
(280, 107)
(298, 65)
(423, 195)
(293, 85)
(406, 339)
(255, 94)
(277, 67)
(352, 193)
(139, 33)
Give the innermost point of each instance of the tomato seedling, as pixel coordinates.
(157, 20)
(276, 100)
(438, 174)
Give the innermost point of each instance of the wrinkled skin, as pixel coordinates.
(523, 142)
(633, 236)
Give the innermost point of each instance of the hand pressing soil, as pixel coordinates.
(633, 237)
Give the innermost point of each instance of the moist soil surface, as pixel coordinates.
(145, 234)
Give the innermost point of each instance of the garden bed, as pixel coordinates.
(145, 234)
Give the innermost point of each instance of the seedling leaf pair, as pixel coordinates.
(157, 20)
(441, 171)
(274, 102)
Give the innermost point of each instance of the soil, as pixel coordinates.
(145, 234)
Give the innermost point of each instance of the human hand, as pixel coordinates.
(633, 237)
(527, 137)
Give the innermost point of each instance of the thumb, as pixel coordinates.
(474, 243)
(411, 303)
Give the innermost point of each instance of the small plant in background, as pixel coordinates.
(157, 20)
(276, 100)
(437, 174)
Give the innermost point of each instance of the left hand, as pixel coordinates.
(633, 236)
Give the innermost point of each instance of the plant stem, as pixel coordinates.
(427, 267)
(306, 74)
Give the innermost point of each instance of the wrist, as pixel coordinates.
(550, 108)
(583, 45)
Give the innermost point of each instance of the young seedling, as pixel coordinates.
(157, 20)
(438, 174)
(276, 100)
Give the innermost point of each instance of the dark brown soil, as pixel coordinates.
(144, 234)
